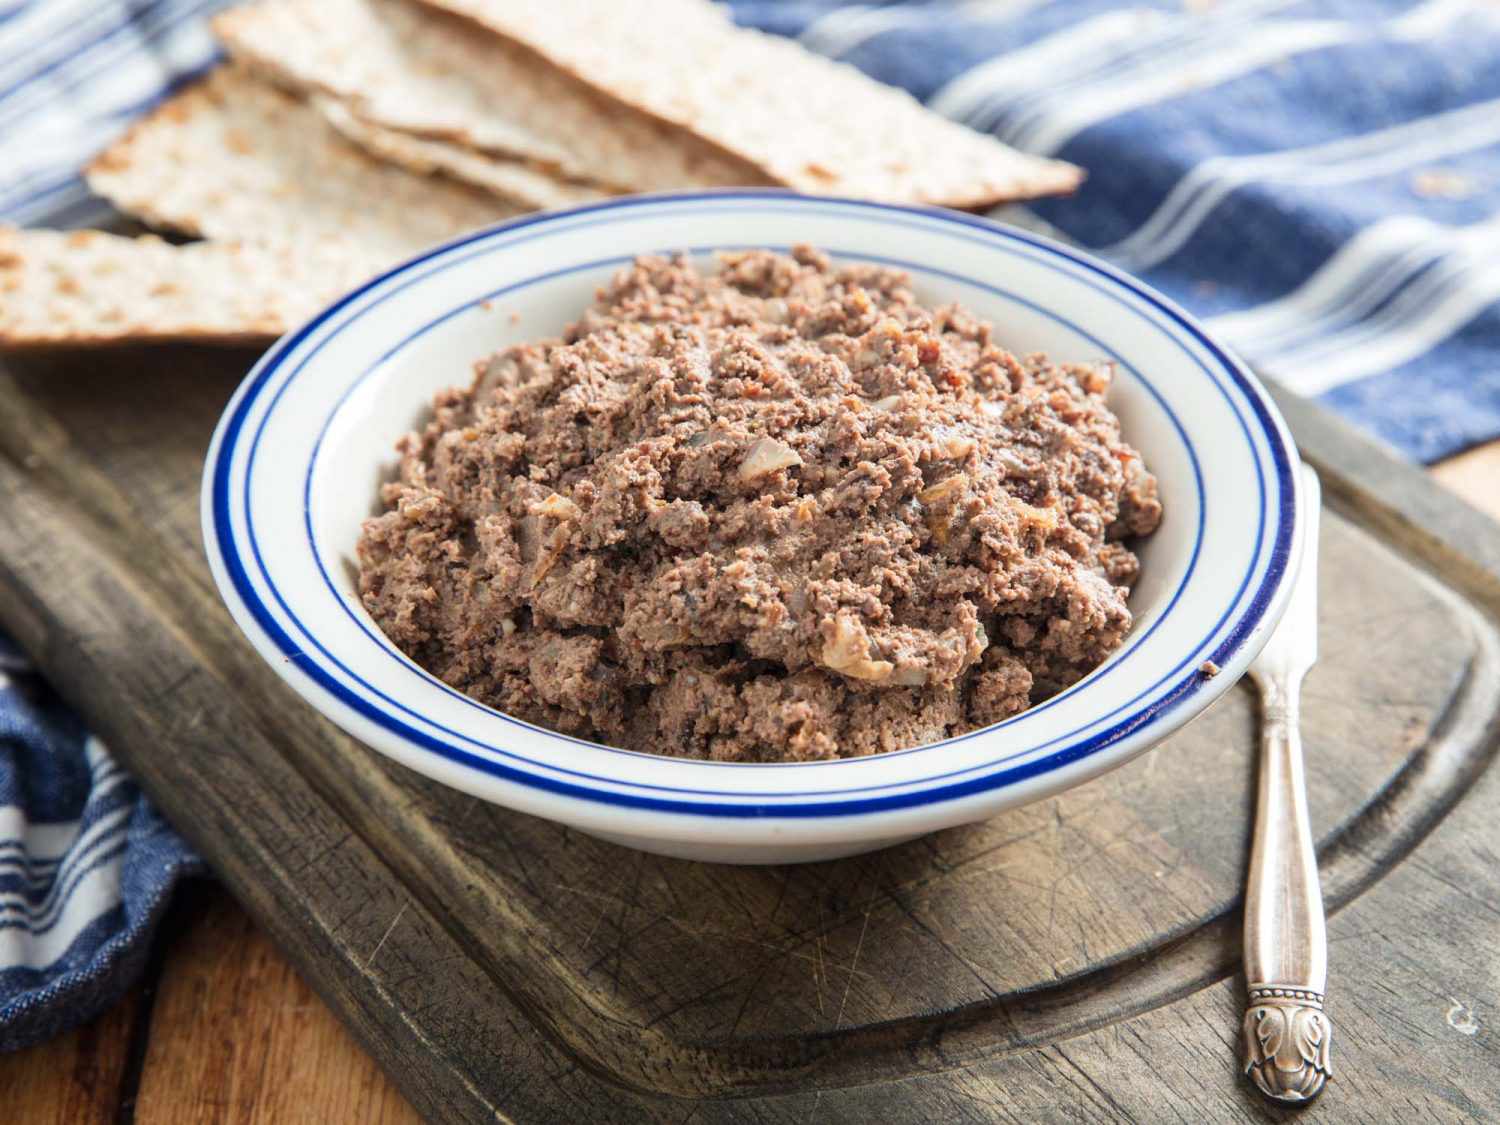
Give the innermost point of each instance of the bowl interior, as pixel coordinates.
(302, 449)
(395, 395)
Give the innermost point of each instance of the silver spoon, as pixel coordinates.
(1287, 1032)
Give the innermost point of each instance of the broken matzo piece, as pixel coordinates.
(803, 120)
(234, 159)
(509, 179)
(86, 287)
(424, 72)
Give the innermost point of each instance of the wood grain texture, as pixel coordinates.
(238, 1037)
(433, 1018)
(75, 1079)
(1072, 960)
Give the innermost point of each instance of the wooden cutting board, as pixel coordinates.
(1073, 960)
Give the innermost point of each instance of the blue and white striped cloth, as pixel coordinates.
(86, 865)
(1320, 180)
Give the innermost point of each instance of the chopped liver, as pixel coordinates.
(774, 512)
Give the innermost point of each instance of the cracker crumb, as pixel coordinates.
(1440, 184)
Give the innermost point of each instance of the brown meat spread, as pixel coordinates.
(773, 512)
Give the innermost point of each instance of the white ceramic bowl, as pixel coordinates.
(303, 444)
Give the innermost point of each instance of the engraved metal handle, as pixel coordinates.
(1287, 1033)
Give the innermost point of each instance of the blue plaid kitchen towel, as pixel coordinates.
(1319, 180)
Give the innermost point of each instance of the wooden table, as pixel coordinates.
(223, 1029)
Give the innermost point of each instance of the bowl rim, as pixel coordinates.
(1067, 764)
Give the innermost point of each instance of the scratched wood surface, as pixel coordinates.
(79, 1078)
(237, 1037)
(1067, 961)
(221, 1031)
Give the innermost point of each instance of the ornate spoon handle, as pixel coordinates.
(1287, 1033)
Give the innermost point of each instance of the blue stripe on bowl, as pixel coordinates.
(397, 656)
(836, 805)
